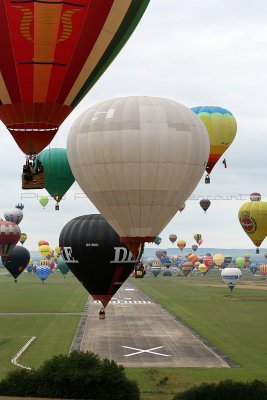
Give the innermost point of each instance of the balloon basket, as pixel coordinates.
(37, 181)
(57, 207)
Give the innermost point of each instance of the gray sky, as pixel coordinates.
(198, 53)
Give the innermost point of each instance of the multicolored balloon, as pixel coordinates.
(253, 219)
(181, 244)
(55, 51)
(9, 237)
(221, 126)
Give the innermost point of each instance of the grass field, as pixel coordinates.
(235, 324)
(54, 332)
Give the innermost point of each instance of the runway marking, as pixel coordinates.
(125, 302)
(129, 290)
(150, 351)
(16, 356)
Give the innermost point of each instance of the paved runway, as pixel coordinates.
(139, 333)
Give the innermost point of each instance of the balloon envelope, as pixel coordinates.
(95, 255)
(253, 219)
(23, 238)
(58, 175)
(137, 190)
(9, 236)
(14, 215)
(43, 272)
(17, 260)
(221, 126)
(55, 51)
(204, 204)
(43, 201)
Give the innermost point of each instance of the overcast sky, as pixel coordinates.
(198, 53)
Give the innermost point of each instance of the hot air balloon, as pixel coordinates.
(58, 249)
(43, 201)
(20, 206)
(253, 268)
(255, 196)
(63, 268)
(208, 261)
(200, 241)
(218, 259)
(181, 244)
(13, 215)
(193, 258)
(263, 270)
(23, 238)
(221, 126)
(155, 270)
(160, 253)
(172, 238)
(230, 276)
(204, 204)
(43, 272)
(240, 261)
(197, 237)
(194, 247)
(16, 261)
(55, 51)
(166, 261)
(137, 190)
(58, 175)
(43, 242)
(157, 240)
(265, 255)
(9, 236)
(203, 269)
(253, 219)
(187, 267)
(95, 255)
(45, 250)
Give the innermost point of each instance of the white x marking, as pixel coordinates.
(139, 351)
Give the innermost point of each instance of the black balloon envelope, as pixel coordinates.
(16, 261)
(93, 252)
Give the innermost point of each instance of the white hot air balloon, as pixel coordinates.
(138, 159)
(14, 215)
(230, 276)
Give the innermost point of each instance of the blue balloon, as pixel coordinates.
(43, 272)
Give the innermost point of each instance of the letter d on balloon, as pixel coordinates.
(122, 256)
(67, 254)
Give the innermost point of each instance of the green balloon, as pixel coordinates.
(43, 200)
(240, 261)
(63, 268)
(58, 175)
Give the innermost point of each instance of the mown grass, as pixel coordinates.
(40, 303)
(236, 325)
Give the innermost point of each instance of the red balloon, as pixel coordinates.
(54, 52)
(9, 236)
